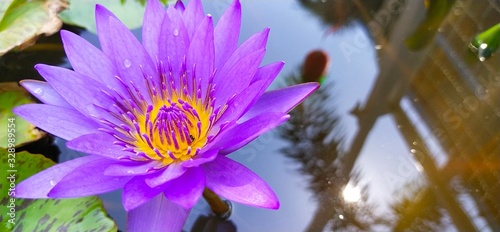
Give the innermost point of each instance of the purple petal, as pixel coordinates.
(243, 64)
(241, 103)
(171, 172)
(180, 6)
(133, 168)
(175, 42)
(226, 81)
(102, 16)
(88, 179)
(268, 72)
(130, 57)
(187, 189)
(203, 157)
(192, 17)
(238, 105)
(120, 45)
(90, 61)
(153, 16)
(136, 192)
(78, 90)
(255, 42)
(99, 144)
(242, 134)
(159, 214)
(281, 100)
(201, 53)
(61, 122)
(227, 33)
(45, 93)
(40, 184)
(235, 182)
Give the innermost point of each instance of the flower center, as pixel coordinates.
(172, 130)
(171, 125)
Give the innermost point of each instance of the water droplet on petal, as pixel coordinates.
(38, 91)
(127, 63)
(52, 183)
(175, 32)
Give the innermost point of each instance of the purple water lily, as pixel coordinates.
(158, 118)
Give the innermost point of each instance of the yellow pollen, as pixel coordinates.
(173, 129)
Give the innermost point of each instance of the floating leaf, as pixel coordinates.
(21, 21)
(12, 95)
(77, 214)
(82, 13)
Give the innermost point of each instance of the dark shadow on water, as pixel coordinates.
(211, 223)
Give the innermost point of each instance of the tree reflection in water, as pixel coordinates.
(315, 142)
(412, 217)
(422, 57)
(338, 13)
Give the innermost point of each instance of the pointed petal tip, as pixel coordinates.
(102, 13)
(39, 66)
(24, 111)
(99, 7)
(179, 5)
(265, 33)
(65, 32)
(236, 5)
(17, 110)
(26, 83)
(314, 86)
(24, 190)
(276, 206)
(272, 203)
(100, 10)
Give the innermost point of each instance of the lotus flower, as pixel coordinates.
(158, 118)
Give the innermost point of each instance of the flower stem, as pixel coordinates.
(220, 208)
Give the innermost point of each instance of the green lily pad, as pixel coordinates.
(21, 21)
(77, 214)
(20, 131)
(81, 13)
